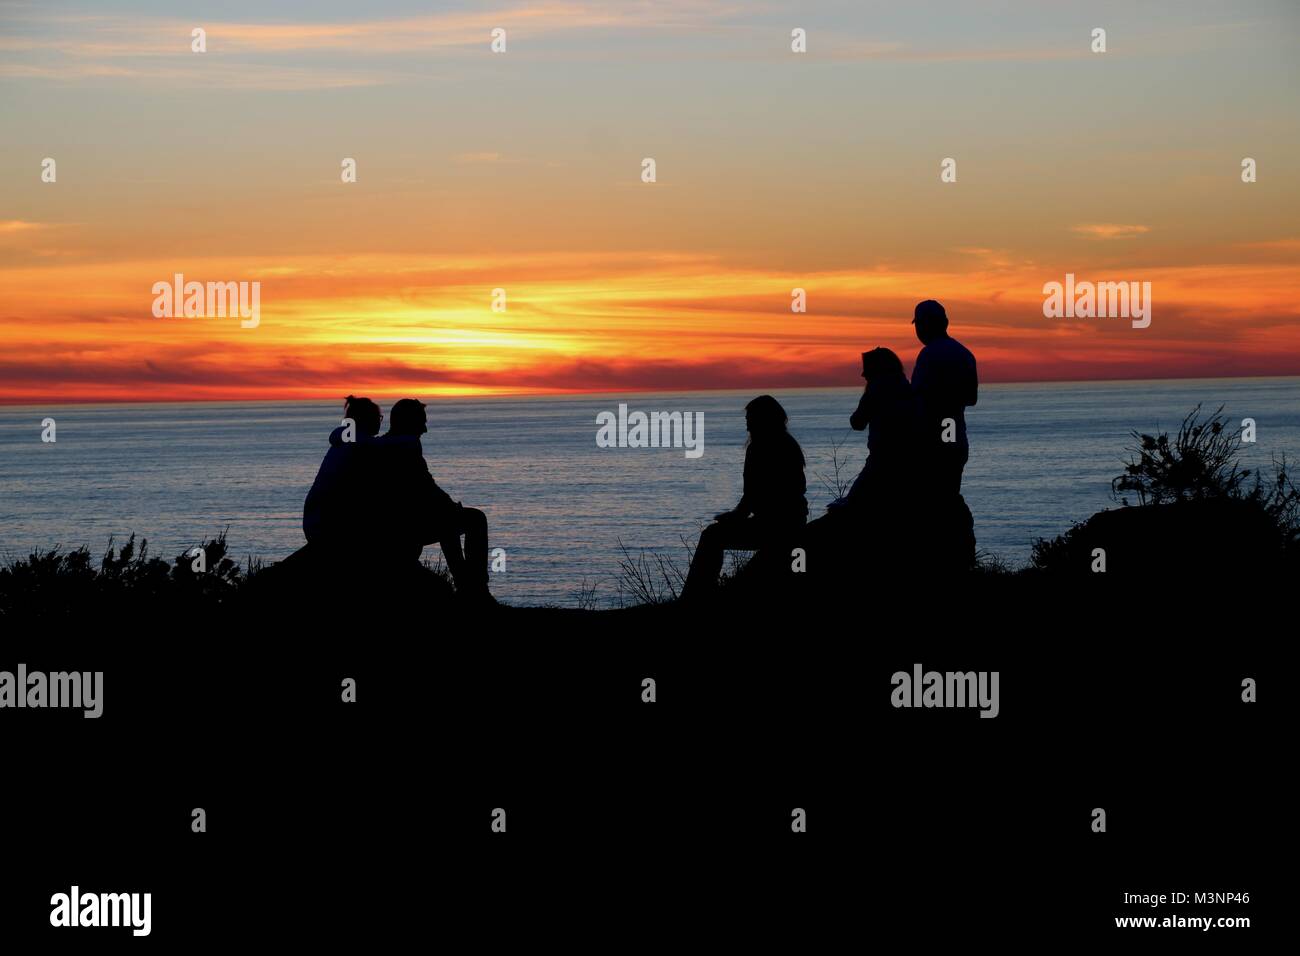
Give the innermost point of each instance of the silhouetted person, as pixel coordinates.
(946, 383)
(890, 413)
(417, 512)
(336, 514)
(772, 509)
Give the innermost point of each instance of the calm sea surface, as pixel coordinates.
(1042, 456)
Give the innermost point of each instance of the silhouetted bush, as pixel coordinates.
(988, 564)
(1198, 509)
(58, 583)
(648, 577)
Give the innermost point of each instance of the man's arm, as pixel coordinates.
(418, 479)
(745, 506)
(920, 371)
(441, 499)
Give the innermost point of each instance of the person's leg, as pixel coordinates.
(475, 527)
(707, 563)
(774, 544)
(468, 567)
(715, 541)
(950, 465)
(449, 538)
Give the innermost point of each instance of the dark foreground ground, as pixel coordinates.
(368, 824)
(669, 823)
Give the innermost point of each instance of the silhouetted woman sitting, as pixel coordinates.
(772, 510)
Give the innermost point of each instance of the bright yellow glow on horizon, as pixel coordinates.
(324, 331)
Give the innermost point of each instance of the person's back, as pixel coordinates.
(890, 413)
(947, 383)
(412, 501)
(335, 510)
(774, 482)
(892, 418)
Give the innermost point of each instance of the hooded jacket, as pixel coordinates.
(334, 512)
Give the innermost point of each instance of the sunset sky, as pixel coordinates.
(522, 171)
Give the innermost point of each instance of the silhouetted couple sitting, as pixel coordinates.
(906, 502)
(375, 500)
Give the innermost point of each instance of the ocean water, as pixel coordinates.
(1042, 456)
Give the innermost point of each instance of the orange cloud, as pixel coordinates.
(598, 322)
(1109, 230)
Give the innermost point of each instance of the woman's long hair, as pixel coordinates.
(767, 422)
(882, 365)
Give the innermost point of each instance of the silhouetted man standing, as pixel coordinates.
(945, 381)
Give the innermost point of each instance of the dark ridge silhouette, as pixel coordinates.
(1183, 540)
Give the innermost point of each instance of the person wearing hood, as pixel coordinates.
(334, 514)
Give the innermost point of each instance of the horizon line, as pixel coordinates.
(565, 393)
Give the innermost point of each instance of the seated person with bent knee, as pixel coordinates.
(422, 513)
(772, 509)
